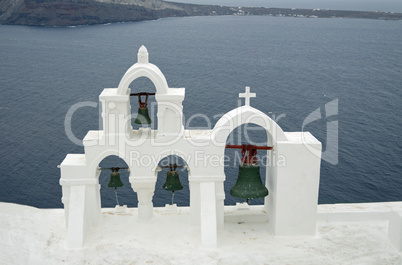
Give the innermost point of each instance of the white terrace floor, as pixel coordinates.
(346, 234)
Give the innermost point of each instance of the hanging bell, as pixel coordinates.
(172, 181)
(115, 180)
(143, 116)
(249, 184)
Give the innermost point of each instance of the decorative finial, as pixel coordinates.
(142, 55)
(247, 95)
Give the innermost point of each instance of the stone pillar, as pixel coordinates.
(80, 197)
(144, 187)
(395, 230)
(294, 187)
(92, 194)
(170, 113)
(145, 205)
(115, 113)
(209, 236)
(77, 219)
(220, 204)
(194, 202)
(65, 199)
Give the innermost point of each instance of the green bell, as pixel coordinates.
(249, 184)
(115, 180)
(143, 116)
(172, 181)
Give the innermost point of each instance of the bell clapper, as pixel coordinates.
(172, 196)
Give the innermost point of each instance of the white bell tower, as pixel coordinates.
(289, 209)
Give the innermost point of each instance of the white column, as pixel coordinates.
(93, 203)
(209, 237)
(220, 205)
(395, 230)
(295, 187)
(145, 205)
(98, 200)
(144, 187)
(271, 184)
(77, 223)
(65, 199)
(194, 202)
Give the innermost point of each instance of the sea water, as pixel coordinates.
(344, 73)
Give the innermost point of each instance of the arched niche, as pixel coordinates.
(143, 84)
(95, 161)
(126, 196)
(168, 99)
(249, 115)
(244, 134)
(182, 197)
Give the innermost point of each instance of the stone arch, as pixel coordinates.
(107, 196)
(143, 69)
(183, 194)
(242, 115)
(178, 153)
(235, 154)
(164, 96)
(232, 120)
(94, 164)
(150, 71)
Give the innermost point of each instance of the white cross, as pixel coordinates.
(247, 95)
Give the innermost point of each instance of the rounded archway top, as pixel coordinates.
(242, 115)
(143, 69)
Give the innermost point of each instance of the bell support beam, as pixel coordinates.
(142, 94)
(249, 152)
(252, 146)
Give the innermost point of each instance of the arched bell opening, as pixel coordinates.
(114, 176)
(172, 182)
(245, 134)
(144, 107)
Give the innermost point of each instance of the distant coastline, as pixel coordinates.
(89, 12)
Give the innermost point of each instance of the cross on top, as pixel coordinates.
(247, 95)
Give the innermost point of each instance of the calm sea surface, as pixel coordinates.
(295, 66)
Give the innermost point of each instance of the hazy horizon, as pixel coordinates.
(360, 5)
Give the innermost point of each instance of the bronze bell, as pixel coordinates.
(143, 116)
(115, 179)
(249, 184)
(172, 181)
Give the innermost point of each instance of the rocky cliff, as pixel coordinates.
(86, 12)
